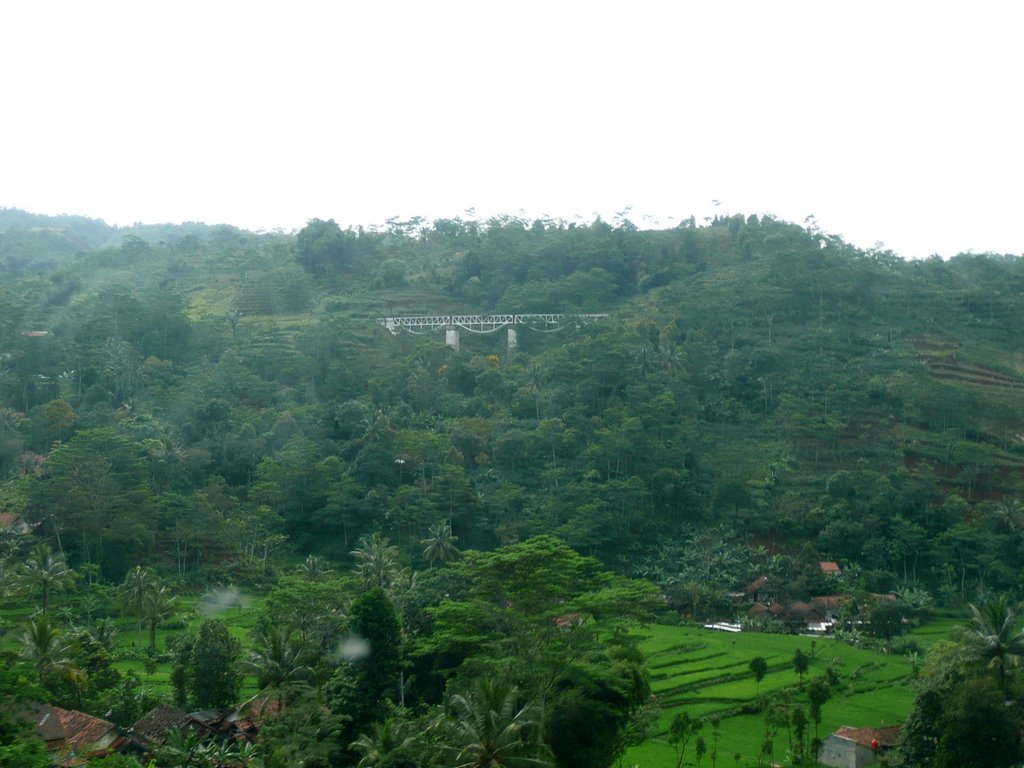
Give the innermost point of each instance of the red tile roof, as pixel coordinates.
(828, 602)
(8, 519)
(755, 585)
(153, 725)
(81, 729)
(830, 567)
(47, 725)
(882, 737)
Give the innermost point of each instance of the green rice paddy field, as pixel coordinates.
(694, 670)
(706, 673)
(129, 645)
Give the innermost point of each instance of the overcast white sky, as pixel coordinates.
(897, 122)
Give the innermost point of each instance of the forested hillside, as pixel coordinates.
(218, 405)
(197, 396)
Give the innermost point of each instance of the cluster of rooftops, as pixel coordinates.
(75, 737)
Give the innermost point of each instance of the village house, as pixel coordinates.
(14, 524)
(153, 728)
(830, 569)
(74, 736)
(233, 724)
(757, 591)
(858, 747)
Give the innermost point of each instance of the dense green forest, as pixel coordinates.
(219, 406)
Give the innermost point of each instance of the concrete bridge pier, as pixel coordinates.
(513, 341)
(451, 338)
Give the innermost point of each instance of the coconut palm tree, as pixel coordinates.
(314, 568)
(645, 360)
(46, 572)
(439, 546)
(137, 582)
(488, 729)
(103, 632)
(8, 577)
(277, 662)
(158, 605)
(536, 386)
(377, 563)
(993, 634)
(382, 744)
(43, 645)
(376, 428)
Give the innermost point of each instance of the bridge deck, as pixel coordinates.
(485, 323)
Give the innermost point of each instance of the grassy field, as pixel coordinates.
(706, 673)
(701, 672)
(130, 646)
(240, 622)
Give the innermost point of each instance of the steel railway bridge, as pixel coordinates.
(542, 322)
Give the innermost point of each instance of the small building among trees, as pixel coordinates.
(858, 747)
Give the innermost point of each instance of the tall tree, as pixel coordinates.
(46, 573)
(680, 731)
(314, 568)
(322, 247)
(45, 647)
(759, 668)
(277, 660)
(157, 607)
(994, 635)
(489, 728)
(377, 563)
(439, 546)
(137, 584)
(979, 730)
(206, 673)
(370, 673)
(530, 610)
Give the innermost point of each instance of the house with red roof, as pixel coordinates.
(74, 736)
(858, 747)
(12, 523)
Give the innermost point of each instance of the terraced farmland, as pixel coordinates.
(706, 674)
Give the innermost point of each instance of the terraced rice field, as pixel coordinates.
(129, 644)
(706, 674)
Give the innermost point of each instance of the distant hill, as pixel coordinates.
(32, 242)
(754, 376)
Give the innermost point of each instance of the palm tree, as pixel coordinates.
(103, 632)
(44, 646)
(994, 635)
(376, 428)
(645, 359)
(1012, 512)
(184, 749)
(378, 747)
(46, 572)
(917, 600)
(439, 546)
(670, 358)
(536, 386)
(277, 663)
(157, 606)
(377, 562)
(133, 589)
(8, 578)
(487, 729)
(314, 569)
